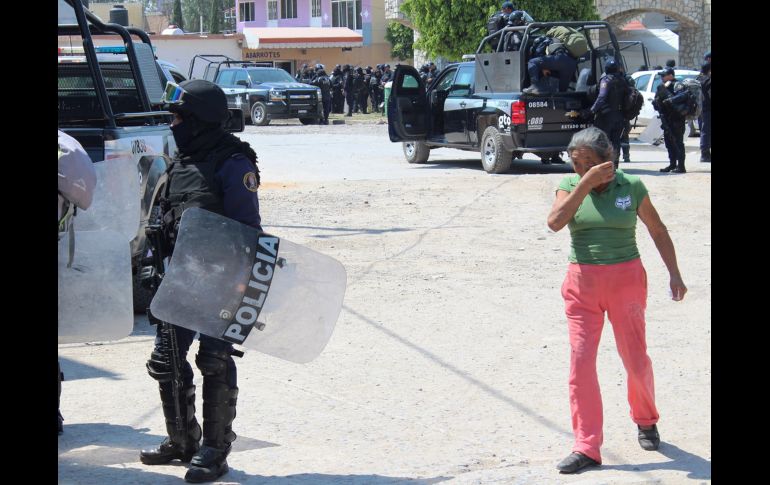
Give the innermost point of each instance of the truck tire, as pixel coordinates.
(308, 121)
(259, 114)
(416, 151)
(494, 157)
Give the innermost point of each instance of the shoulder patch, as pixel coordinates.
(250, 181)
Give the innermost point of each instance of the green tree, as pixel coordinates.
(178, 18)
(451, 29)
(193, 10)
(401, 39)
(216, 17)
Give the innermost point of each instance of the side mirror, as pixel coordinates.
(236, 122)
(242, 82)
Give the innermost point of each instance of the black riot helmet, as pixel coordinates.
(611, 67)
(202, 99)
(359, 70)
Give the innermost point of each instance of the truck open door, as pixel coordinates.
(407, 106)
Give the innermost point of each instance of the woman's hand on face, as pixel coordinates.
(677, 288)
(599, 175)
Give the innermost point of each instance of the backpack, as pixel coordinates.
(632, 103)
(695, 100)
(495, 23)
(574, 41)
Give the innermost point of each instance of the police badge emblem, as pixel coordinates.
(250, 182)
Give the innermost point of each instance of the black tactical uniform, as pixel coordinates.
(360, 90)
(323, 82)
(625, 145)
(215, 171)
(350, 97)
(375, 90)
(608, 107)
(338, 99)
(671, 93)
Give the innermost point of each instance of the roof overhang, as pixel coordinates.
(300, 37)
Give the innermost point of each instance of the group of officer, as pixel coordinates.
(355, 86)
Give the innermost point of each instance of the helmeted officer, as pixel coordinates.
(324, 83)
(350, 97)
(216, 171)
(359, 88)
(608, 107)
(338, 99)
(671, 93)
(499, 20)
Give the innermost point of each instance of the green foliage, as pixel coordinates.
(193, 9)
(216, 17)
(178, 18)
(401, 39)
(451, 29)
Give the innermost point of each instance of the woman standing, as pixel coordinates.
(605, 274)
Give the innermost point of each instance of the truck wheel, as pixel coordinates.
(416, 151)
(494, 157)
(259, 114)
(308, 121)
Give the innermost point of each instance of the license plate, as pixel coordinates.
(302, 111)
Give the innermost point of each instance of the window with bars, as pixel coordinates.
(246, 11)
(315, 9)
(346, 13)
(272, 9)
(288, 9)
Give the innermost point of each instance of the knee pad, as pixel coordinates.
(158, 367)
(212, 362)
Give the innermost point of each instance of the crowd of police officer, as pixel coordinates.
(358, 88)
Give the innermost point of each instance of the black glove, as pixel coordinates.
(667, 102)
(587, 114)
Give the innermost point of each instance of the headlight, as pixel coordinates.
(277, 95)
(318, 92)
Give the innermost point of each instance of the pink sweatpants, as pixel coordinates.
(619, 289)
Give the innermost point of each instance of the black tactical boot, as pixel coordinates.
(671, 166)
(680, 167)
(705, 156)
(180, 444)
(210, 462)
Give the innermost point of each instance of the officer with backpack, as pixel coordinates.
(498, 21)
(608, 107)
(215, 171)
(671, 101)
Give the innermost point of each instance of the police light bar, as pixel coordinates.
(114, 49)
(68, 51)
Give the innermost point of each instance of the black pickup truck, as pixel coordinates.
(264, 93)
(479, 105)
(110, 103)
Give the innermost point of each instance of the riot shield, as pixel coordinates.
(232, 282)
(116, 202)
(95, 300)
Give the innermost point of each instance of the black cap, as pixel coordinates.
(507, 5)
(667, 71)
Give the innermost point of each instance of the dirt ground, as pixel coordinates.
(450, 358)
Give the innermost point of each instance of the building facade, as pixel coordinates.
(290, 33)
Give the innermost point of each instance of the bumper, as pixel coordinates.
(277, 110)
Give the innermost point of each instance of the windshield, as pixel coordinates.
(270, 76)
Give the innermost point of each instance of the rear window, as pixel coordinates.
(77, 96)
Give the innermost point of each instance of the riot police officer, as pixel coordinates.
(499, 20)
(625, 145)
(322, 81)
(213, 170)
(338, 99)
(671, 93)
(359, 90)
(387, 75)
(608, 107)
(375, 89)
(350, 97)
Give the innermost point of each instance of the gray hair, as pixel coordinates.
(594, 139)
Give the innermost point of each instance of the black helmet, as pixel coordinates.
(337, 66)
(203, 99)
(319, 66)
(359, 70)
(611, 67)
